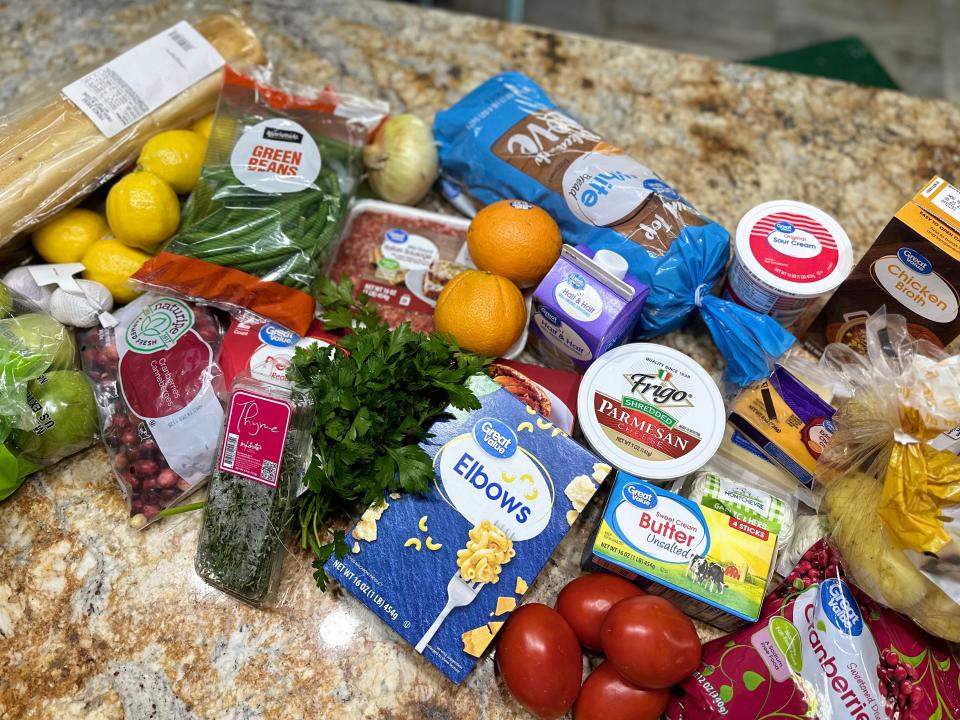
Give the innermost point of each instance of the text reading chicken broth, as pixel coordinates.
(445, 569)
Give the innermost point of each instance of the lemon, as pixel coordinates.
(66, 237)
(142, 210)
(175, 156)
(203, 126)
(112, 263)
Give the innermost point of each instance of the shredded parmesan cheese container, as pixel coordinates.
(786, 255)
(651, 411)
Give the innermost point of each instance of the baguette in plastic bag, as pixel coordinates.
(53, 155)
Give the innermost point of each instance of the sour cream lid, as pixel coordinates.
(651, 411)
(794, 247)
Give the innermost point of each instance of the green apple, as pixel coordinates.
(65, 411)
(49, 343)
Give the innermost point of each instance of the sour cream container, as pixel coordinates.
(786, 255)
(651, 411)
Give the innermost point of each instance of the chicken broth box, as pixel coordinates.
(713, 566)
(446, 568)
(913, 268)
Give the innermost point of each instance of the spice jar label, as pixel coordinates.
(255, 436)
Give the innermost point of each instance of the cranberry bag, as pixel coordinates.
(156, 380)
(822, 649)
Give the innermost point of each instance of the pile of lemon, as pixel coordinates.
(142, 213)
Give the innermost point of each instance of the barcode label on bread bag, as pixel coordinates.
(137, 82)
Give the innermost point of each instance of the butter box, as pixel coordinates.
(445, 569)
(713, 566)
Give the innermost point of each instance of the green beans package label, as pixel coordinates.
(279, 172)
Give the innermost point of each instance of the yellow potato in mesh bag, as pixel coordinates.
(879, 568)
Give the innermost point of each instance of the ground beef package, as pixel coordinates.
(823, 650)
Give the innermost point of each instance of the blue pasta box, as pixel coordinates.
(444, 569)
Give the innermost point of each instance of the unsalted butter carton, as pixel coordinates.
(713, 566)
(446, 568)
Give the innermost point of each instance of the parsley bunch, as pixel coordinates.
(375, 396)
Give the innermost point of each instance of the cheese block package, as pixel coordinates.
(281, 167)
(822, 650)
(445, 569)
(787, 420)
(507, 139)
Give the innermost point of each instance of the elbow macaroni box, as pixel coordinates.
(712, 565)
(446, 568)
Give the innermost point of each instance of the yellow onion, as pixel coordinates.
(402, 160)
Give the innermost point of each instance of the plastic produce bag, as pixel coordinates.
(55, 152)
(253, 492)
(507, 139)
(822, 650)
(279, 172)
(47, 408)
(892, 497)
(157, 382)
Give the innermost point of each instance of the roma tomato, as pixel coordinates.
(650, 642)
(607, 696)
(584, 603)
(540, 660)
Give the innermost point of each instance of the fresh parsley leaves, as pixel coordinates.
(375, 396)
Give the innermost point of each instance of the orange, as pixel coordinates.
(485, 313)
(515, 239)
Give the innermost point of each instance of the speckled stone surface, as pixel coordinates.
(99, 621)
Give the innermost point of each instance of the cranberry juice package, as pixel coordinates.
(280, 170)
(823, 650)
(156, 380)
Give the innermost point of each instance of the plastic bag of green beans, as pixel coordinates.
(279, 172)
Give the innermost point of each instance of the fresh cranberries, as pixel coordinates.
(150, 483)
(898, 685)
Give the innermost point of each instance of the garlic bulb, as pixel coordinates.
(21, 281)
(402, 160)
(81, 311)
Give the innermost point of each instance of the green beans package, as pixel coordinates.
(278, 174)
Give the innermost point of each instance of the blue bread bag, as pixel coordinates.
(506, 139)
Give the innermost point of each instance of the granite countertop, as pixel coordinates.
(100, 621)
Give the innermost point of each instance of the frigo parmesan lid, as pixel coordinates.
(651, 411)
